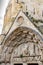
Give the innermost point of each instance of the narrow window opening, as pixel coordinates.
(42, 13)
(17, 1)
(27, 13)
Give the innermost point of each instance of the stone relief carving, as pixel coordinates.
(20, 20)
(26, 51)
(22, 45)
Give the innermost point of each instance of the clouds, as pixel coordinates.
(3, 5)
(0, 2)
(1, 25)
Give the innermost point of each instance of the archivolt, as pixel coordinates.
(19, 31)
(19, 36)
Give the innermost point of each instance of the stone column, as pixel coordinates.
(7, 64)
(24, 63)
(42, 55)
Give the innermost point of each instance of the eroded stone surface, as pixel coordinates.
(22, 45)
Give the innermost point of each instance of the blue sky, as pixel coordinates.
(3, 5)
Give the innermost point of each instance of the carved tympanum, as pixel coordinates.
(22, 44)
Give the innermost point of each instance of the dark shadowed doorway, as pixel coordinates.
(32, 64)
(18, 64)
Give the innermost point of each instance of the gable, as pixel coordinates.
(22, 20)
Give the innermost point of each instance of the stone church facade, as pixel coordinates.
(21, 43)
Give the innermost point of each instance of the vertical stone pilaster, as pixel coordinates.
(24, 63)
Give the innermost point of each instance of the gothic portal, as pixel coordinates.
(22, 47)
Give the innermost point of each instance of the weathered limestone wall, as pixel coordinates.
(21, 44)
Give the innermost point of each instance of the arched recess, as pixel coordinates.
(20, 37)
